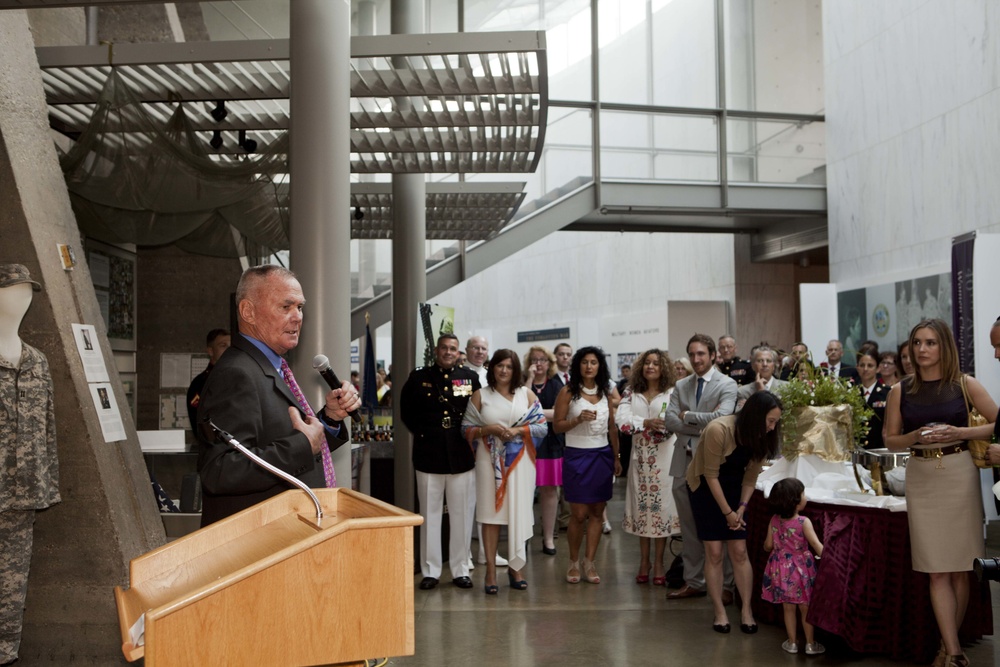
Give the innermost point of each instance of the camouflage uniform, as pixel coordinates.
(29, 480)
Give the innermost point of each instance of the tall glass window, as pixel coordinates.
(767, 151)
(774, 55)
(684, 53)
(567, 37)
(661, 147)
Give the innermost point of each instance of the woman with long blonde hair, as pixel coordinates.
(540, 365)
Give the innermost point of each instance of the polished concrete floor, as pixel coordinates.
(616, 622)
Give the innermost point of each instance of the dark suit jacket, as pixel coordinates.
(849, 372)
(247, 397)
(877, 403)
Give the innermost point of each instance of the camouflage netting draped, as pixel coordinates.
(131, 180)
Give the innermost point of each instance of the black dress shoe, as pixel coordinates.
(428, 583)
(748, 629)
(547, 551)
(724, 629)
(462, 582)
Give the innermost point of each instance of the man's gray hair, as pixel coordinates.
(255, 275)
(765, 348)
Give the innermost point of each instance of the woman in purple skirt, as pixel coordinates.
(590, 459)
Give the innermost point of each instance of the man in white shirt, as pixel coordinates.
(477, 353)
(833, 366)
(764, 380)
(564, 355)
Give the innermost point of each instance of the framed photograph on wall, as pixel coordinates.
(113, 272)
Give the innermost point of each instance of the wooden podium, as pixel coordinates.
(268, 586)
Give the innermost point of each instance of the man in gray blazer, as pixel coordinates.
(763, 361)
(696, 400)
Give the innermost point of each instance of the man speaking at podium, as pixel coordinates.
(252, 394)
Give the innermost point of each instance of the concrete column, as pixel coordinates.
(320, 206)
(108, 514)
(409, 275)
(367, 271)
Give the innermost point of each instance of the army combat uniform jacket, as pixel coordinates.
(29, 475)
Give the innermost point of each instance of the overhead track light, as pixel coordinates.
(216, 140)
(248, 145)
(219, 113)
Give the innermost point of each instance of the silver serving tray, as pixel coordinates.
(887, 459)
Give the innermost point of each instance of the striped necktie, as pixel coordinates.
(328, 473)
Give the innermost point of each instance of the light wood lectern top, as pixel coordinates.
(268, 586)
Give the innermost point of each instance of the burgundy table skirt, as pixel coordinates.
(866, 592)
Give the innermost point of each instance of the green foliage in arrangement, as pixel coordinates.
(816, 391)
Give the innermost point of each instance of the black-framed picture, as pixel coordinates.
(113, 272)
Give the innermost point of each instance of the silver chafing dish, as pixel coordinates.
(886, 458)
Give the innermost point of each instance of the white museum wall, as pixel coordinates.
(912, 104)
(595, 283)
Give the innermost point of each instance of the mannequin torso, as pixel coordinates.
(14, 302)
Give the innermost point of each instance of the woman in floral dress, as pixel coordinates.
(650, 512)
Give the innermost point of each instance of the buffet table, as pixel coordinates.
(866, 592)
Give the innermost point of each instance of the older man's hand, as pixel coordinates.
(339, 402)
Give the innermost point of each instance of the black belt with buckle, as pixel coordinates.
(938, 452)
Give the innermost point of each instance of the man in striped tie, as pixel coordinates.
(252, 394)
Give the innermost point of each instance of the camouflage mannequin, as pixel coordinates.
(28, 446)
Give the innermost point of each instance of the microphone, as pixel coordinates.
(322, 364)
(209, 427)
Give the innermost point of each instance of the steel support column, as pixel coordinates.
(409, 277)
(320, 164)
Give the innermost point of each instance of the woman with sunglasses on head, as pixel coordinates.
(928, 414)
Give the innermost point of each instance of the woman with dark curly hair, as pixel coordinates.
(721, 479)
(590, 461)
(650, 512)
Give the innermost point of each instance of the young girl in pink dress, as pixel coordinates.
(791, 568)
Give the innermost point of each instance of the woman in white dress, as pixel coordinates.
(585, 413)
(650, 512)
(503, 422)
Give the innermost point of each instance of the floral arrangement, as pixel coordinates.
(820, 390)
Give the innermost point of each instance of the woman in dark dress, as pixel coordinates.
(721, 479)
(927, 414)
(540, 365)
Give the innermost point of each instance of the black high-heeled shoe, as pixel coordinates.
(491, 590)
(516, 585)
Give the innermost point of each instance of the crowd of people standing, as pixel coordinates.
(699, 428)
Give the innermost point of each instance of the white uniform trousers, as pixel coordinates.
(460, 490)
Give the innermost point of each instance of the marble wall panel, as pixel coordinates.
(912, 106)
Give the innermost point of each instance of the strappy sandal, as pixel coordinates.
(590, 572)
(573, 573)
